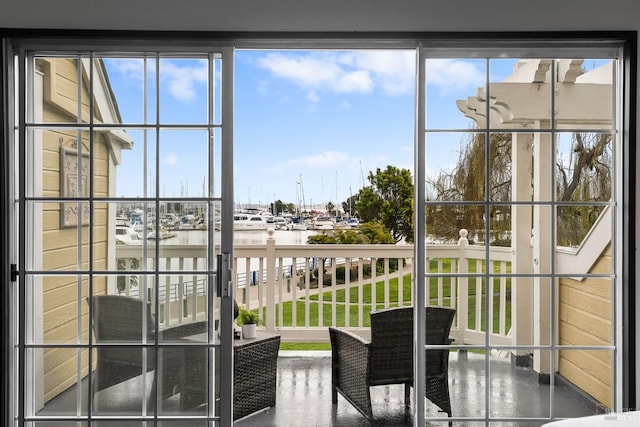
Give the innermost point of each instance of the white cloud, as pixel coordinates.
(179, 77)
(132, 68)
(454, 74)
(181, 80)
(320, 160)
(317, 71)
(391, 71)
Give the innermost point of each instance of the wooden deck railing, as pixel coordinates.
(300, 290)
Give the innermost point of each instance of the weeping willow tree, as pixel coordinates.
(455, 198)
(463, 190)
(583, 176)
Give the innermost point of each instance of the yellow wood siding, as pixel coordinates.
(60, 245)
(585, 319)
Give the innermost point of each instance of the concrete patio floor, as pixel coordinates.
(304, 398)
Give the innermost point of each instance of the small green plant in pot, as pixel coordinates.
(248, 320)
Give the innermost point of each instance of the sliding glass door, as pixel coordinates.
(123, 217)
(519, 165)
(124, 206)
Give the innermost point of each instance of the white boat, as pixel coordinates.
(247, 222)
(164, 234)
(280, 223)
(298, 226)
(348, 224)
(126, 235)
(323, 223)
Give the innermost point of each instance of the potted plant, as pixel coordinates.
(248, 320)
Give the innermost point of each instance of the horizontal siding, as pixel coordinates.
(57, 378)
(577, 296)
(572, 335)
(61, 246)
(572, 365)
(585, 319)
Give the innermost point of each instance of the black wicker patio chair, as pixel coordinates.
(119, 320)
(174, 361)
(358, 364)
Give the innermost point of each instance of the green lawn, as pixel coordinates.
(364, 292)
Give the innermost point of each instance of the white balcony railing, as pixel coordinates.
(300, 290)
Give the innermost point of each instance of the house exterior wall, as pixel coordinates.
(585, 319)
(60, 294)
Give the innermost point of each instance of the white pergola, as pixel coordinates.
(520, 103)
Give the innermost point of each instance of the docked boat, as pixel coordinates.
(351, 223)
(249, 222)
(298, 226)
(280, 223)
(323, 223)
(126, 235)
(164, 234)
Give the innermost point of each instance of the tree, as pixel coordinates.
(279, 206)
(389, 200)
(369, 233)
(467, 183)
(583, 174)
(373, 232)
(349, 206)
(331, 209)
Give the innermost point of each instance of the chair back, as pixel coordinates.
(118, 319)
(392, 344)
(392, 341)
(438, 327)
(174, 362)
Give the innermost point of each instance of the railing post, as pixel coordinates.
(463, 287)
(270, 316)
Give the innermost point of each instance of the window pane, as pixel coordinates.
(467, 386)
(52, 371)
(586, 311)
(132, 160)
(584, 166)
(449, 85)
(184, 163)
(59, 243)
(584, 94)
(520, 93)
(591, 372)
(184, 90)
(132, 80)
(59, 92)
(58, 311)
(456, 165)
(508, 383)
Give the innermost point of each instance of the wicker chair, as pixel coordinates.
(172, 369)
(118, 320)
(358, 364)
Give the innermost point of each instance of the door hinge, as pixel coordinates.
(14, 272)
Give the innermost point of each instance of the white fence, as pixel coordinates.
(300, 290)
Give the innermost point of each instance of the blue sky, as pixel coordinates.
(324, 118)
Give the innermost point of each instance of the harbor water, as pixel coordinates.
(257, 237)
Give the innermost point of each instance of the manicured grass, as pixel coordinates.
(305, 346)
(391, 288)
